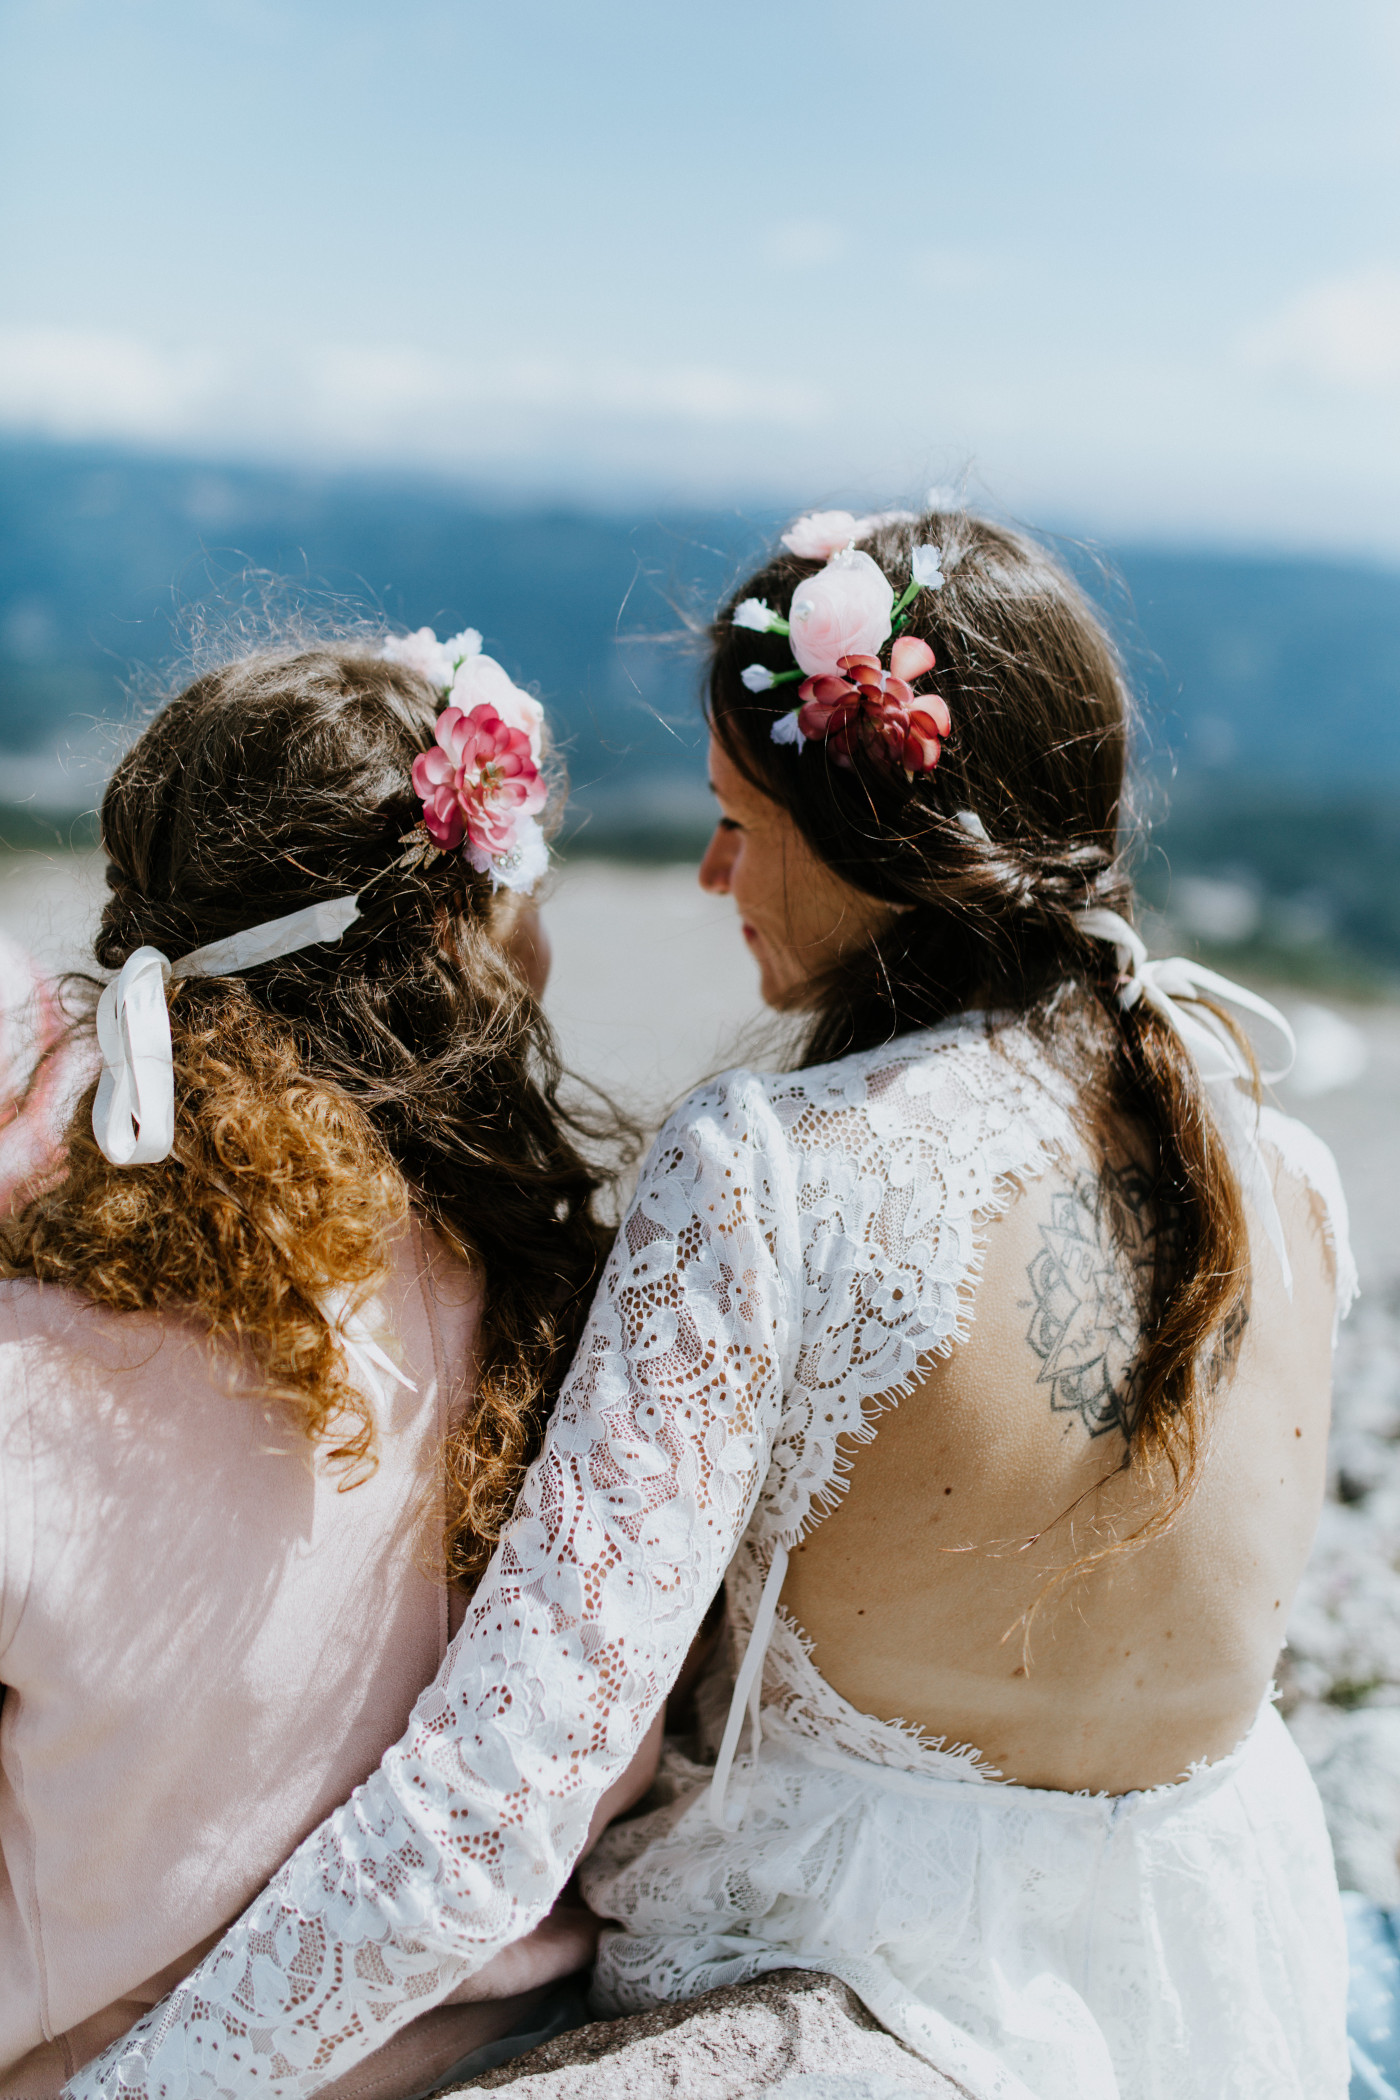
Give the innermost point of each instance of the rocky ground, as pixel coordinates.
(790, 2036)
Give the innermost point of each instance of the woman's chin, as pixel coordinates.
(783, 995)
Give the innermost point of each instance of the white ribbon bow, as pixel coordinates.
(133, 1116)
(1220, 1061)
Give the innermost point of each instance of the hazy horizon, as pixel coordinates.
(1133, 274)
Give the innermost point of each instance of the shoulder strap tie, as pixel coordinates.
(748, 1686)
(1219, 1060)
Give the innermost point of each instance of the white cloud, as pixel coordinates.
(363, 401)
(806, 244)
(1344, 331)
(73, 382)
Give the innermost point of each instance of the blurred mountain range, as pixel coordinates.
(1270, 686)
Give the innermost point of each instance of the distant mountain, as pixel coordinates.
(108, 561)
(1270, 688)
(1280, 670)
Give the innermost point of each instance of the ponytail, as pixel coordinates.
(989, 861)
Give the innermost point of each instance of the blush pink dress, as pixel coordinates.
(204, 1646)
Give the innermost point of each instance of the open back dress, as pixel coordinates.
(799, 1247)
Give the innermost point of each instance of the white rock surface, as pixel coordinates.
(789, 2036)
(1340, 1677)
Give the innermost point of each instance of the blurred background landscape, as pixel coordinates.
(543, 319)
(1269, 682)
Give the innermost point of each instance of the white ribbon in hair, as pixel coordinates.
(1220, 1061)
(133, 1117)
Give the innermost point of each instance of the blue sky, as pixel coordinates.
(1134, 267)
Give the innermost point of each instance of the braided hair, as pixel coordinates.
(989, 858)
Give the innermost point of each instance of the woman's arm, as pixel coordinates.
(462, 1839)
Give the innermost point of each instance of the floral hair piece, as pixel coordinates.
(481, 785)
(838, 623)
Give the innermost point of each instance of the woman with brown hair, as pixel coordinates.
(279, 1338)
(985, 1356)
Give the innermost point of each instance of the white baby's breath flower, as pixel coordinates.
(421, 652)
(520, 868)
(755, 614)
(756, 677)
(458, 647)
(926, 565)
(786, 731)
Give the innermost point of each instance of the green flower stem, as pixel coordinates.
(787, 677)
(777, 626)
(907, 599)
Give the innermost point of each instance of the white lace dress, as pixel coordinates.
(797, 1248)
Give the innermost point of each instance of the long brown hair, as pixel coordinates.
(321, 1094)
(1038, 754)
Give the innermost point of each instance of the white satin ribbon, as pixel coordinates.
(748, 1686)
(1220, 1061)
(133, 1116)
(360, 1346)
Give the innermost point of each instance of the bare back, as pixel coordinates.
(927, 1593)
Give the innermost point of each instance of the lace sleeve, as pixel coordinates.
(462, 1839)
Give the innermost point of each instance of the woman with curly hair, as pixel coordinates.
(279, 1338)
(984, 1357)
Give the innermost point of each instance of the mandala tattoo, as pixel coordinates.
(1091, 1286)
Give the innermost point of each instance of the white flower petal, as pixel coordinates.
(459, 646)
(522, 868)
(786, 731)
(754, 614)
(421, 652)
(757, 677)
(926, 565)
(817, 536)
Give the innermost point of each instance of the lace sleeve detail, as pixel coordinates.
(900, 1158)
(462, 1839)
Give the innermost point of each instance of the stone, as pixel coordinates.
(792, 2035)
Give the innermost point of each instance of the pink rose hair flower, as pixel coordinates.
(846, 609)
(480, 784)
(866, 708)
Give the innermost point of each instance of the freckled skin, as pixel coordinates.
(1021, 1426)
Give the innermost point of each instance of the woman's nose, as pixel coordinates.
(714, 870)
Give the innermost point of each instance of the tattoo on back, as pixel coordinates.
(1091, 1291)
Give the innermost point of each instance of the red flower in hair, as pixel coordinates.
(877, 711)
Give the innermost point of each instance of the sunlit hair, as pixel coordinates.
(320, 1095)
(1038, 752)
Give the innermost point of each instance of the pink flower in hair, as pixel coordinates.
(481, 681)
(480, 783)
(846, 609)
(876, 711)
